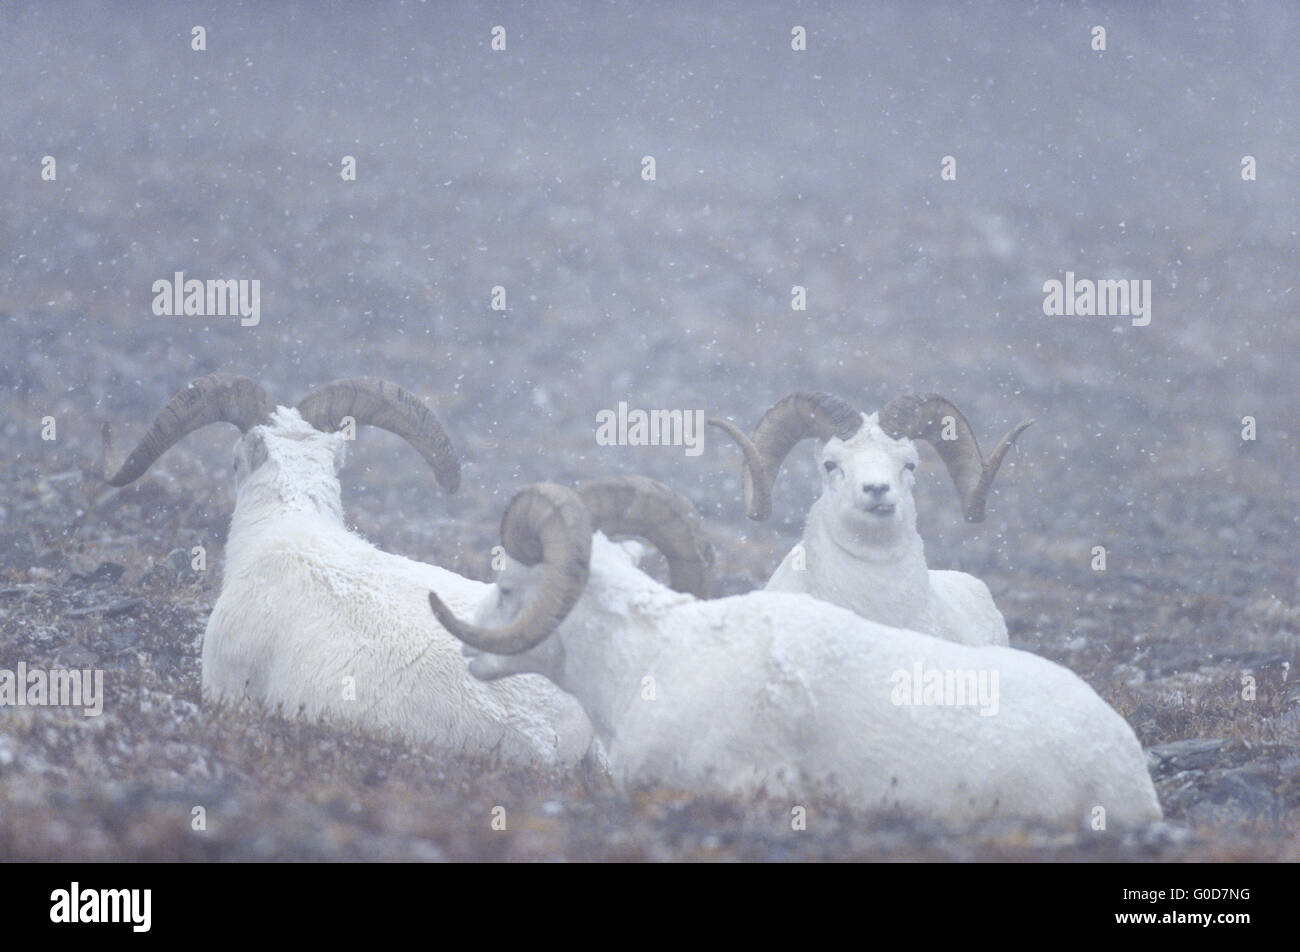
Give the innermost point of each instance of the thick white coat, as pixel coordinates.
(789, 694)
(861, 550)
(316, 621)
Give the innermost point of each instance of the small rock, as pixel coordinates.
(1196, 753)
(1241, 795)
(108, 609)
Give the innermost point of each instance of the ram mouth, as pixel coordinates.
(881, 509)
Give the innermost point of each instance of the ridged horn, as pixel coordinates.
(923, 418)
(799, 416)
(548, 524)
(215, 398)
(375, 402)
(637, 505)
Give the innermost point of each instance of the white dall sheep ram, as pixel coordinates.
(315, 620)
(860, 548)
(786, 693)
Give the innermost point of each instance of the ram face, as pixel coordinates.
(872, 445)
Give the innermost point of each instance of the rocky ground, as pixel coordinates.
(524, 172)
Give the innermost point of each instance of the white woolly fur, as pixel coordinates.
(789, 694)
(306, 605)
(861, 550)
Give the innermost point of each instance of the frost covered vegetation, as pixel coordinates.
(774, 168)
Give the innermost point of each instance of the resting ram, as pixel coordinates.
(860, 548)
(781, 692)
(316, 621)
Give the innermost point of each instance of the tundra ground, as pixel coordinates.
(673, 294)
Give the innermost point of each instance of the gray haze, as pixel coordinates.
(774, 168)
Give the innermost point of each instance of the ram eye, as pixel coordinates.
(831, 466)
(911, 466)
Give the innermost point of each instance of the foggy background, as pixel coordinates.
(774, 168)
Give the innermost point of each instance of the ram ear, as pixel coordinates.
(252, 450)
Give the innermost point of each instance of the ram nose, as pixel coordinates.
(877, 498)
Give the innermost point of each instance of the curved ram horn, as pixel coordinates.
(548, 524)
(369, 400)
(923, 418)
(799, 416)
(215, 398)
(636, 505)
